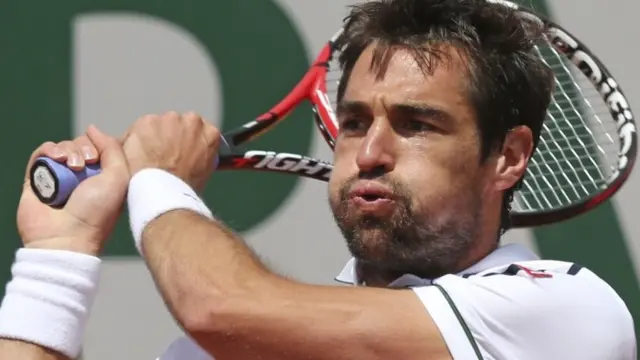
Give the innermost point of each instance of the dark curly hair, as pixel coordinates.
(509, 85)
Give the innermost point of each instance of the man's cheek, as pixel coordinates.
(336, 185)
(459, 166)
(343, 169)
(438, 188)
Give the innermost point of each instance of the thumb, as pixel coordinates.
(110, 150)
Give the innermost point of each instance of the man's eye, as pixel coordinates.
(418, 126)
(352, 125)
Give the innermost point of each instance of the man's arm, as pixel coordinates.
(55, 274)
(235, 308)
(15, 349)
(46, 304)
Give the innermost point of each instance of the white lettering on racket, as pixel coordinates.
(268, 156)
(582, 59)
(290, 162)
(626, 136)
(621, 112)
(607, 87)
(561, 40)
(304, 165)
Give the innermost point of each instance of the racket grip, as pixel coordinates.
(53, 182)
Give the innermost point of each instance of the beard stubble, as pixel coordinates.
(412, 240)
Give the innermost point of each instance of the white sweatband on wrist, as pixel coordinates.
(153, 192)
(47, 302)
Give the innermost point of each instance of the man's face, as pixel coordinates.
(407, 187)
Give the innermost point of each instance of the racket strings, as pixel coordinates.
(577, 150)
(333, 77)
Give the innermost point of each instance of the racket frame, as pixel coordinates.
(621, 113)
(312, 87)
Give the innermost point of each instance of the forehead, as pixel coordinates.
(405, 81)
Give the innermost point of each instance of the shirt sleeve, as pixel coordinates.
(505, 317)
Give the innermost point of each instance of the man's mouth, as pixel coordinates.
(372, 197)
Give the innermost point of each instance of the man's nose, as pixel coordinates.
(377, 149)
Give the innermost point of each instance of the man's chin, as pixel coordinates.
(370, 243)
(377, 226)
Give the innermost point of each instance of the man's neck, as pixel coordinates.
(373, 276)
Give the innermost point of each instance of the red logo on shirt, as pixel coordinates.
(535, 273)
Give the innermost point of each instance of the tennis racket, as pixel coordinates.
(586, 152)
(53, 182)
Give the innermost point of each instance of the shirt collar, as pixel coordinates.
(503, 255)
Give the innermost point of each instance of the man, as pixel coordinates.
(440, 108)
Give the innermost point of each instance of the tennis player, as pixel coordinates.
(440, 109)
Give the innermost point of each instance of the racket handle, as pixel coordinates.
(53, 182)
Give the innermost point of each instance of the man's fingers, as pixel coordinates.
(211, 135)
(78, 153)
(71, 151)
(109, 150)
(86, 149)
(122, 138)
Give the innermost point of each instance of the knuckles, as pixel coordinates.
(189, 121)
(192, 117)
(45, 148)
(211, 136)
(147, 121)
(171, 116)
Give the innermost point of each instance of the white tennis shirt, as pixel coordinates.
(511, 306)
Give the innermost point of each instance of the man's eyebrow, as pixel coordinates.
(352, 107)
(411, 109)
(422, 110)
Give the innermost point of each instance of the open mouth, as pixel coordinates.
(371, 197)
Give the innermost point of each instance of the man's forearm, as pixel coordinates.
(234, 308)
(15, 349)
(220, 267)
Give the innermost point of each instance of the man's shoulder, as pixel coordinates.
(555, 305)
(542, 277)
(534, 269)
(565, 290)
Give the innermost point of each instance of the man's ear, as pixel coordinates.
(513, 158)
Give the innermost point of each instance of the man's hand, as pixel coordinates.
(184, 145)
(81, 226)
(85, 222)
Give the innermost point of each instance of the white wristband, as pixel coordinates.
(153, 192)
(48, 300)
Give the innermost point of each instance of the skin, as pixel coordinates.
(83, 224)
(236, 308)
(415, 139)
